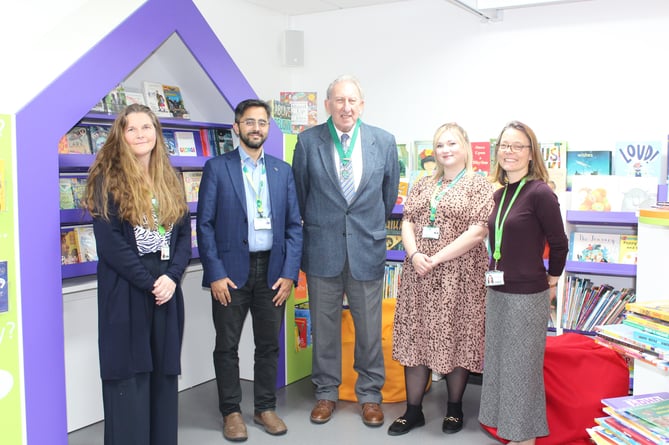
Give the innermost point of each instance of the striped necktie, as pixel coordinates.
(346, 172)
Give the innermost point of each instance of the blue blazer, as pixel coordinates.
(222, 225)
(335, 230)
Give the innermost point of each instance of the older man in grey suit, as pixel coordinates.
(346, 173)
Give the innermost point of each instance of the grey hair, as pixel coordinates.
(345, 78)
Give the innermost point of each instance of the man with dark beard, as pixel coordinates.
(250, 242)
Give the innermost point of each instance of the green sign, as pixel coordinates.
(11, 408)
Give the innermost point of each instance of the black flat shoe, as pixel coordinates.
(402, 426)
(452, 425)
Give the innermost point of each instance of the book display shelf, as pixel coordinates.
(652, 285)
(576, 312)
(77, 163)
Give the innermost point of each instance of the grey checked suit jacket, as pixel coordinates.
(334, 229)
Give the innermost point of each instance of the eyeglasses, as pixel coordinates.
(252, 123)
(514, 148)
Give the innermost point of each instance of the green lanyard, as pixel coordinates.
(161, 228)
(497, 254)
(344, 157)
(258, 192)
(434, 200)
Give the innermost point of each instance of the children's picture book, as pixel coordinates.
(481, 157)
(638, 158)
(656, 414)
(394, 234)
(115, 100)
(193, 232)
(301, 293)
(303, 109)
(170, 142)
(66, 198)
(423, 152)
(628, 249)
(594, 247)
(155, 98)
(75, 141)
(613, 193)
(404, 160)
(175, 102)
(281, 115)
(402, 191)
(192, 184)
(224, 140)
(185, 142)
(69, 246)
(303, 316)
(637, 192)
(98, 135)
(655, 308)
(79, 190)
(587, 162)
(134, 97)
(86, 240)
(554, 156)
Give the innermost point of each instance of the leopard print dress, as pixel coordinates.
(439, 318)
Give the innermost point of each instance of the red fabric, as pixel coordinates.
(578, 374)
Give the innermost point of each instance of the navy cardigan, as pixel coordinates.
(126, 304)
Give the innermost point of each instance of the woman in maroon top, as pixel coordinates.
(526, 216)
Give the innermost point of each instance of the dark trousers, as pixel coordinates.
(144, 409)
(257, 296)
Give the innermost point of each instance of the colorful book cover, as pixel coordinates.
(192, 184)
(651, 339)
(656, 414)
(423, 152)
(625, 333)
(628, 249)
(170, 142)
(394, 234)
(303, 109)
(281, 115)
(185, 142)
(613, 193)
(224, 140)
(481, 157)
(115, 100)
(4, 292)
(175, 102)
(301, 293)
(134, 97)
(404, 160)
(155, 98)
(66, 198)
(79, 190)
(554, 156)
(86, 240)
(587, 162)
(627, 435)
(75, 141)
(637, 425)
(302, 312)
(402, 191)
(99, 135)
(69, 248)
(657, 309)
(658, 327)
(638, 158)
(594, 247)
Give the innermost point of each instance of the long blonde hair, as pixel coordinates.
(116, 174)
(460, 135)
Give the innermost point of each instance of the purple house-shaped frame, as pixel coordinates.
(93, 75)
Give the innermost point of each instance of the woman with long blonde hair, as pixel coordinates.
(142, 231)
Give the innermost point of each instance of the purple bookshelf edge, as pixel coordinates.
(603, 218)
(626, 270)
(82, 162)
(395, 255)
(75, 216)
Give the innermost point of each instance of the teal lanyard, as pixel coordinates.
(497, 254)
(436, 197)
(344, 157)
(258, 193)
(161, 228)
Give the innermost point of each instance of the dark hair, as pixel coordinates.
(251, 103)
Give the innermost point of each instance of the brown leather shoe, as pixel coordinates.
(234, 428)
(322, 411)
(372, 414)
(271, 422)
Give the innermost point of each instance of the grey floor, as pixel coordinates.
(200, 423)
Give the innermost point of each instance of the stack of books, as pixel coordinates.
(638, 420)
(643, 334)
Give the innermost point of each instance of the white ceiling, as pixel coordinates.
(299, 7)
